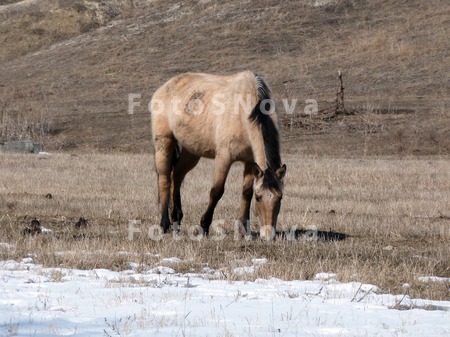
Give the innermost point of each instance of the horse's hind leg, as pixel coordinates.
(185, 163)
(221, 169)
(164, 147)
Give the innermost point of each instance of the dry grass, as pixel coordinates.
(30, 26)
(395, 210)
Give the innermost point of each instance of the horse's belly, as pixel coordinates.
(197, 141)
(198, 149)
(206, 135)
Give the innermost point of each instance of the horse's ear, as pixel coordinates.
(281, 172)
(257, 172)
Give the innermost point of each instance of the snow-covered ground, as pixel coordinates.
(37, 301)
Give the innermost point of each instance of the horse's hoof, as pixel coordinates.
(204, 231)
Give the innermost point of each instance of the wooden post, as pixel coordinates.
(2, 122)
(340, 96)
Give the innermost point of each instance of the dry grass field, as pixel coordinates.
(395, 210)
(379, 173)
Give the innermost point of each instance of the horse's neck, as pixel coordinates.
(265, 144)
(257, 145)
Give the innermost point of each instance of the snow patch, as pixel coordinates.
(325, 277)
(171, 260)
(163, 303)
(46, 230)
(133, 265)
(259, 262)
(433, 279)
(321, 3)
(243, 270)
(6, 246)
(162, 270)
(27, 260)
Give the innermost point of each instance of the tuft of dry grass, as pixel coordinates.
(396, 211)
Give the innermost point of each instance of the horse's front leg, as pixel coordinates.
(247, 194)
(221, 168)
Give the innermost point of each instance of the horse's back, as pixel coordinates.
(201, 112)
(189, 86)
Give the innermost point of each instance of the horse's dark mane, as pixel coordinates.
(268, 128)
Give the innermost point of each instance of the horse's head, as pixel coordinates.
(268, 186)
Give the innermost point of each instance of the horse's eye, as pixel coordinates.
(258, 198)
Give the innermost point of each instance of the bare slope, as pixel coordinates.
(394, 55)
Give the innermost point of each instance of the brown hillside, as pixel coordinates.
(66, 72)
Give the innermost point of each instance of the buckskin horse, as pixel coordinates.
(228, 118)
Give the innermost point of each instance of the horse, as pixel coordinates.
(229, 119)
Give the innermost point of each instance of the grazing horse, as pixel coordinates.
(228, 118)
